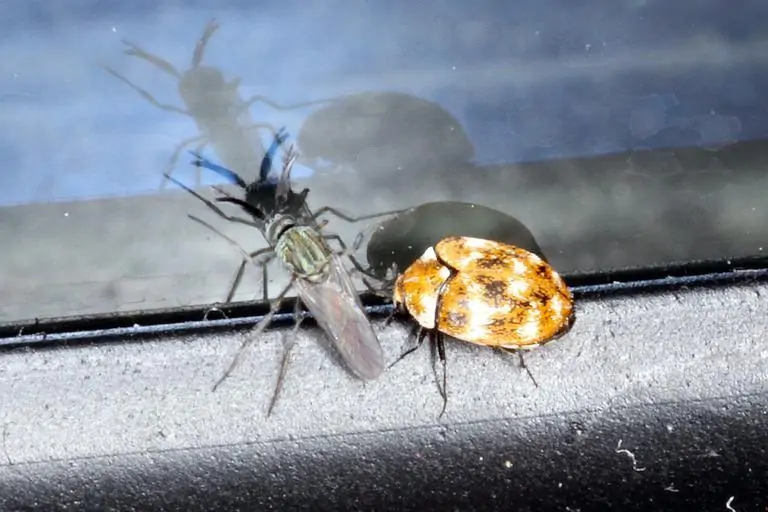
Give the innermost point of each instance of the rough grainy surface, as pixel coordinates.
(678, 379)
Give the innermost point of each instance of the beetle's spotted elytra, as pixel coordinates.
(487, 293)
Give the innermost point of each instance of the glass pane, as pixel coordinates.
(620, 133)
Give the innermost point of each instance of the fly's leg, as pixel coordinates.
(247, 257)
(522, 362)
(349, 218)
(245, 253)
(264, 282)
(201, 162)
(213, 207)
(202, 140)
(241, 269)
(147, 96)
(357, 244)
(384, 289)
(299, 315)
(348, 252)
(258, 329)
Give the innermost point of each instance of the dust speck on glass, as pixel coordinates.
(596, 136)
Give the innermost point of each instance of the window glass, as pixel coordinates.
(623, 133)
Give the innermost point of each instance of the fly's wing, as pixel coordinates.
(338, 310)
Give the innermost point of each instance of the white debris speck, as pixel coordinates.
(631, 455)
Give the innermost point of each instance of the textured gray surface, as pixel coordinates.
(71, 403)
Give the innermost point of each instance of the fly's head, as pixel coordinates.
(272, 193)
(264, 196)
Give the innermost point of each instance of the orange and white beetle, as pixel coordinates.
(484, 292)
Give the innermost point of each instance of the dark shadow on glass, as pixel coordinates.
(403, 239)
(382, 134)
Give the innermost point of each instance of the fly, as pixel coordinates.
(296, 239)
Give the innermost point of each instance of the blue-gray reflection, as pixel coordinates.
(526, 80)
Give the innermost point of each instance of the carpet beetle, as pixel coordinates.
(483, 292)
(487, 293)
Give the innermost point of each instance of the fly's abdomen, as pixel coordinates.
(304, 252)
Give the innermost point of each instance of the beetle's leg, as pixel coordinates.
(522, 362)
(384, 291)
(420, 336)
(298, 315)
(439, 343)
(147, 96)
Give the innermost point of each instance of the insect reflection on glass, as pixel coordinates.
(317, 272)
(486, 293)
(221, 115)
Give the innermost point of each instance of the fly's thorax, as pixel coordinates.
(278, 225)
(304, 252)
